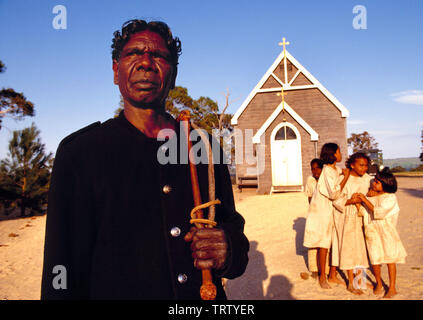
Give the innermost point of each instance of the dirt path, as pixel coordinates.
(21, 258)
(275, 228)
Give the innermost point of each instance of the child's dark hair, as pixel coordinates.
(316, 161)
(327, 155)
(355, 156)
(387, 179)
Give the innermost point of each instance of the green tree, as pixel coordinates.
(204, 111)
(205, 114)
(362, 141)
(14, 103)
(418, 169)
(118, 110)
(25, 174)
(398, 169)
(2, 67)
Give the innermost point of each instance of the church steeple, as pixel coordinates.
(284, 44)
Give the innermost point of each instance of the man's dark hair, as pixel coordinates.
(355, 156)
(133, 26)
(389, 183)
(327, 154)
(317, 161)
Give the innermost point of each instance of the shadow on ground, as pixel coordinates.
(413, 192)
(12, 214)
(300, 250)
(250, 285)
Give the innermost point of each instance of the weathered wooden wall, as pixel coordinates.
(313, 107)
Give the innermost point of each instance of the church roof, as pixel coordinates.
(274, 83)
(313, 134)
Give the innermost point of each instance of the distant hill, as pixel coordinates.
(406, 163)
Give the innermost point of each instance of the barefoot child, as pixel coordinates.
(352, 250)
(320, 230)
(380, 218)
(316, 169)
(316, 166)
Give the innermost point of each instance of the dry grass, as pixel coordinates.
(409, 174)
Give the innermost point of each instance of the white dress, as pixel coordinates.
(382, 238)
(349, 225)
(319, 228)
(310, 186)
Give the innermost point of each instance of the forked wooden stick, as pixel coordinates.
(207, 289)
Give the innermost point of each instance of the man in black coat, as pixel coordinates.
(117, 216)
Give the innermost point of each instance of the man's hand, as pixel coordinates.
(209, 247)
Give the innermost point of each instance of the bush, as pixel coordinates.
(398, 169)
(25, 173)
(419, 168)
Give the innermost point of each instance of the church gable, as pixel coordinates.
(271, 82)
(288, 98)
(279, 71)
(287, 73)
(261, 106)
(285, 109)
(301, 79)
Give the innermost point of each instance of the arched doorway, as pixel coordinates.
(286, 156)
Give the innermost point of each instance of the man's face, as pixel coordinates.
(316, 171)
(144, 72)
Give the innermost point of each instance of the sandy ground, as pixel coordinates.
(275, 228)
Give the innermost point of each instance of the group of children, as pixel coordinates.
(351, 219)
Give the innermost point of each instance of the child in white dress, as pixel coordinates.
(352, 250)
(380, 220)
(320, 230)
(316, 166)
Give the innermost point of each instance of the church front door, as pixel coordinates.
(286, 156)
